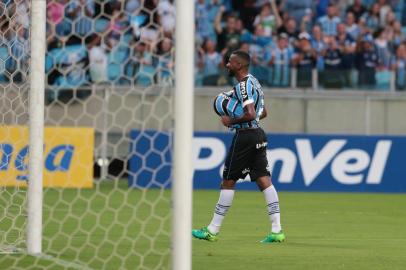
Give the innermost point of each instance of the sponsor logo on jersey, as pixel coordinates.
(243, 90)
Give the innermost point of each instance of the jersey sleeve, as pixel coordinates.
(244, 91)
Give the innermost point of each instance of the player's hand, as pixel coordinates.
(226, 120)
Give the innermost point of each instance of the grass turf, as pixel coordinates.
(100, 229)
(324, 231)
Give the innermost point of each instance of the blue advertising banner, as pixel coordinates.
(298, 162)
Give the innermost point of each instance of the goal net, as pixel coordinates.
(109, 76)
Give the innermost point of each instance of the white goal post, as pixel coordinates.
(36, 126)
(182, 167)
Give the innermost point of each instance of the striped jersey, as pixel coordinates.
(226, 104)
(281, 66)
(246, 92)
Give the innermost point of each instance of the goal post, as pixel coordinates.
(36, 127)
(183, 134)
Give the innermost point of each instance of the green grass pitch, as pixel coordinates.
(324, 231)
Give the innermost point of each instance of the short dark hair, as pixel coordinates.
(244, 56)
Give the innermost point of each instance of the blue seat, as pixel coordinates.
(101, 25)
(383, 80)
(121, 54)
(113, 71)
(3, 57)
(145, 76)
(4, 53)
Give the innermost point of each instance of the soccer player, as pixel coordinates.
(247, 154)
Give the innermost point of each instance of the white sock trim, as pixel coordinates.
(223, 205)
(272, 201)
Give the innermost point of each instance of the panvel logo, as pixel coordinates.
(347, 166)
(58, 159)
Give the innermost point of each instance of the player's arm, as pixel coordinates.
(263, 114)
(244, 94)
(249, 115)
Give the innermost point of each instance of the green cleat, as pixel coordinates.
(274, 237)
(204, 234)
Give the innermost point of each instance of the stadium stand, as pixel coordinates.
(360, 41)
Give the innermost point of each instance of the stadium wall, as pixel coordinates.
(294, 115)
(321, 112)
(290, 111)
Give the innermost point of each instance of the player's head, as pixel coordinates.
(239, 61)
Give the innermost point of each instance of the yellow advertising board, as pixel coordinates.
(68, 156)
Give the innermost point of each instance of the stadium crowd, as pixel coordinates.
(350, 43)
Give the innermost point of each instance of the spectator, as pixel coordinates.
(150, 28)
(399, 66)
(81, 14)
(21, 13)
(290, 28)
(205, 15)
(384, 8)
(332, 75)
(269, 18)
(131, 6)
(395, 35)
(366, 62)
(357, 9)
(167, 14)
(141, 67)
(18, 63)
(68, 66)
(297, 9)
(98, 59)
(306, 23)
(280, 60)
(64, 28)
(347, 46)
(165, 66)
(329, 22)
(382, 49)
(319, 46)
(213, 8)
(398, 8)
(55, 11)
(203, 23)
(390, 19)
(210, 63)
(4, 47)
(352, 27)
(305, 60)
(404, 15)
(227, 37)
(321, 8)
(257, 45)
(370, 20)
(258, 38)
(118, 23)
(247, 12)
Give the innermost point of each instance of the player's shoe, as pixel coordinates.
(204, 234)
(274, 237)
